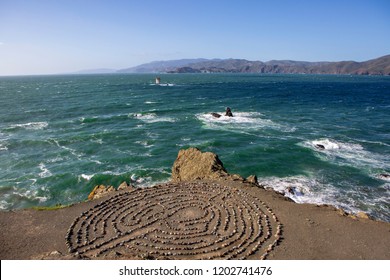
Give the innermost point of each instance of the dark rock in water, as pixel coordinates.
(216, 115)
(228, 112)
(319, 146)
(384, 176)
(290, 190)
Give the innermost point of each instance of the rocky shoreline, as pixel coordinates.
(203, 213)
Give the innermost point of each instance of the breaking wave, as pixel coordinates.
(152, 118)
(241, 120)
(30, 125)
(351, 154)
(302, 189)
(12, 197)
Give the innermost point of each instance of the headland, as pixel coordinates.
(204, 212)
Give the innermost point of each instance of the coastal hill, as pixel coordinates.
(378, 66)
(161, 66)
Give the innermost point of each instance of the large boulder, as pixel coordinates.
(192, 164)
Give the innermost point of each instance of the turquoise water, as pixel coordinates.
(62, 135)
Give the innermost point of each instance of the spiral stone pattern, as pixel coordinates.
(195, 220)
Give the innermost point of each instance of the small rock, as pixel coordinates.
(362, 215)
(384, 176)
(125, 186)
(290, 190)
(320, 147)
(100, 191)
(252, 179)
(342, 212)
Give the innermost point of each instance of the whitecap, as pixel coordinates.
(384, 176)
(70, 150)
(241, 120)
(15, 196)
(86, 177)
(343, 153)
(31, 125)
(44, 171)
(301, 189)
(152, 118)
(3, 147)
(135, 179)
(145, 143)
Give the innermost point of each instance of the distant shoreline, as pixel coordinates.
(378, 67)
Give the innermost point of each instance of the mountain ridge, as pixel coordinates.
(376, 66)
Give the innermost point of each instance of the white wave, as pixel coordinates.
(19, 196)
(135, 179)
(145, 143)
(352, 154)
(309, 190)
(301, 189)
(242, 120)
(86, 177)
(56, 159)
(150, 102)
(44, 171)
(384, 176)
(72, 151)
(152, 118)
(3, 147)
(31, 125)
(97, 140)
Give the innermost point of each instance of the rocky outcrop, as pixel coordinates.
(192, 164)
(125, 186)
(100, 191)
(252, 179)
(362, 215)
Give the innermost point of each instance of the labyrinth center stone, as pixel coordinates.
(193, 220)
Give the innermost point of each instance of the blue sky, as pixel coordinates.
(46, 37)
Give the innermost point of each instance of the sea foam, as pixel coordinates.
(44, 171)
(343, 153)
(240, 120)
(152, 118)
(303, 189)
(30, 125)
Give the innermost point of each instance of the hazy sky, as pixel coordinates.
(57, 36)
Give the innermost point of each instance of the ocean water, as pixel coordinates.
(62, 135)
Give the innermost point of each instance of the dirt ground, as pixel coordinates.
(308, 231)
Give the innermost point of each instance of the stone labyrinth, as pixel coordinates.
(176, 221)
